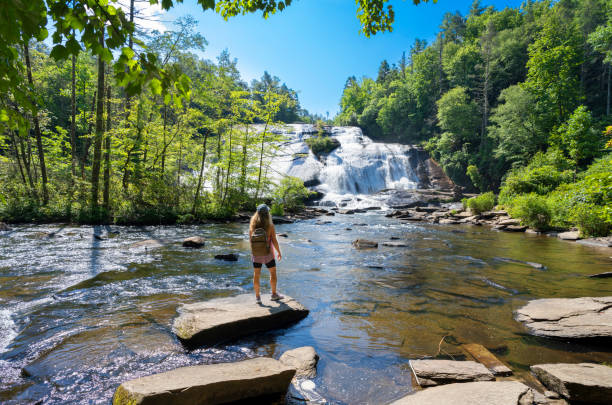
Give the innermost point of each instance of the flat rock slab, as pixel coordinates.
(584, 382)
(225, 319)
(471, 393)
(597, 242)
(303, 359)
(572, 318)
(482, 355)
(208, 384)
(437, 372)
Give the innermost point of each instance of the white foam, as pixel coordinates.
(8, 329)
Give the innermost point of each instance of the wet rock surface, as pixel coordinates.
(365, 244)
(438, 372)
(208, 384)
(226, 319)
(229, 257)
(481, 392)
(572, 318)
(193, 242)
(579, 383)
(303, 360)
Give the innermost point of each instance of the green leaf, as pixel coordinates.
(59, 52)
(155, 86)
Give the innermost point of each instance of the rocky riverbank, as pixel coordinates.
(497, 220)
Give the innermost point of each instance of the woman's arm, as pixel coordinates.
(275, 241)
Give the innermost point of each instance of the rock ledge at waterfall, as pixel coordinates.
(225, 319)
(208, 384)
(570, 318)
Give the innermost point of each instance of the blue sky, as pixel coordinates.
(314, 45)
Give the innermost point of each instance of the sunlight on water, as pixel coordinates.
(79, 315)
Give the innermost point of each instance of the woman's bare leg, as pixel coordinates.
(273, 279)
(256, 274)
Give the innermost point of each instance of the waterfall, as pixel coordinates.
(352, 173)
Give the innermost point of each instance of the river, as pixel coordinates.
(79, 315)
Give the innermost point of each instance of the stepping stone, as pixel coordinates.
(193, 242)
(584, 382)
(438, 372)
(482, 355)
(208, 384)
(225, 319)
(471, 393)
(365, 244)
(303, 359)
(571, 318)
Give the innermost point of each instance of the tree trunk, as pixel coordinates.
(229, 167)
(163, 156)
(73, 120)
(261, 152)
(608, 97)
(197, 193)
(37, 133)
(95, 167)
(107, 151)
(244, 162)
(128, 101)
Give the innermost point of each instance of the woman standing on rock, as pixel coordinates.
(262, 236)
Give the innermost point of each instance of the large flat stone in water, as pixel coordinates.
(208, 384)
(572, 318)
(481, 392)
(435, 372)
(584, 382)
(225, 319)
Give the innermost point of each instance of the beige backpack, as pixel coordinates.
(259, 242)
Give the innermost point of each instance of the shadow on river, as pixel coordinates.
(79, 315)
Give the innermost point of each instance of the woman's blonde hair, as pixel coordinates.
(261, 220)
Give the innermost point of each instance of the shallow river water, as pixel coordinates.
(79, 315)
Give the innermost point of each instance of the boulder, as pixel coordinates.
(510, 221)
(573, 235)
(446, 221)
(586, 383)
(226, 319)
(395, 244)
(438, 372)
(230, 257)
(480, 392)
(282, 220)
(193, 242)
(570, 318)
(303, 360)
(4, 227)
(208, 384)
(515, 228)
(365, 244)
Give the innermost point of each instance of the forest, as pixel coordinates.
(89, 151)
(513, 101)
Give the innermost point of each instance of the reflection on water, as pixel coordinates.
(79, 315)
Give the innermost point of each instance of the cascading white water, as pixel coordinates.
(350, 174)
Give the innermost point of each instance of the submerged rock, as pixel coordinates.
(572, 318)
(303, 360)
(597, 242)
(208, 384)
(395, 244)
(148, 244)
(531, 264)
(438, 372)
(365, 244)
(230, 257)
(583, 383)
(225, 319)
(471, 393)
(193, 242)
